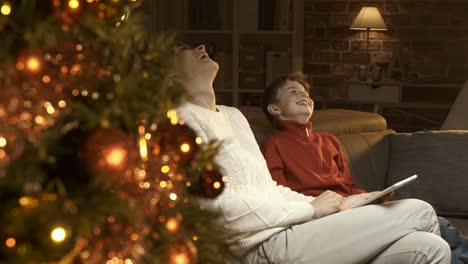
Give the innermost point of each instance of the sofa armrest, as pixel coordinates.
(440, 158)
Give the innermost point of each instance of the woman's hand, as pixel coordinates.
(353, 200)
(327, 203)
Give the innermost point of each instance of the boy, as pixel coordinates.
(311, 163)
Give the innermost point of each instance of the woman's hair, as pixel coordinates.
(271, 91)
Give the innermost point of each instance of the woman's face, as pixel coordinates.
(193, 63)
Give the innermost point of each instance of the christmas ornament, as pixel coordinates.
(178, 140)
(183, 252)
(210, 184)
(106, 151)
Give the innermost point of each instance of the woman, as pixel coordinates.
(268, 223)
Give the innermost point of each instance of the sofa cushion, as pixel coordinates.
(334, 121)
(368, 155)
(344, 121)
(440, 159)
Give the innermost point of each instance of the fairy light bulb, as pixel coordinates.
(3, 142)
(180, 258)
(185, 147)
(10, 242)
(6, 8)
(74, 4)
(173, 117)
(165, 169)
(143, 149)
(58, 234)
(172, 224)
(116, 156)
(33, 64)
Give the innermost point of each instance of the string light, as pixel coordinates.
(143, 149)
(10, 242)
(172, 225)
(58, 234)
(173, 196)
(33, 64)
(3, 142)
(6, 8)
(180, 258)
(165, 169)
(185, 147)
(62, 104)
(173, 117)
(163, 184)
(116, 156)
(74, 4)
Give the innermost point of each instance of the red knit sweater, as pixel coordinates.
(309, 163)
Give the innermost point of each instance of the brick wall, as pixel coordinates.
(431, 35)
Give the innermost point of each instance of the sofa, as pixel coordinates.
(379, 156)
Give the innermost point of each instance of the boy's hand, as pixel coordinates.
(327, 203)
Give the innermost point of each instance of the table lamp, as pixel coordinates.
(368, 19)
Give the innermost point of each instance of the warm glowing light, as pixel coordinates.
(74, 4)
(180, 258)
(128, 261)
(50, 110)
(194, 238)
(116, 156)
(173, 196)
(172, 225)
(143, 149)
(198, 140)
(165, 169)
(62, 104)
(2, 154)
(39, 120)
(172, 115)
(24, 201)
(79, 47)
(3, 142)
(217, 185)
(134, 237)
(58, 234)
(6, 8)
(10, 242)
(163, 184)
(185, 147)
(45, 79)
(28, 201)
(147, 136)
(75, 92)
(33, 64)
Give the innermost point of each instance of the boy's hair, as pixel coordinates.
(271, 91)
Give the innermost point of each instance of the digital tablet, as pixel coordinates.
(388, 190)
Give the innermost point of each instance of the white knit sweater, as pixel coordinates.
(252, 206)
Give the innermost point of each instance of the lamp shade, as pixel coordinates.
(369, 18)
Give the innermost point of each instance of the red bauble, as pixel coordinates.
(106, 151)
(183, 252)
(179, 141)
(210, 185)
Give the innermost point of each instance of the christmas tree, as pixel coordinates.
(95, 166)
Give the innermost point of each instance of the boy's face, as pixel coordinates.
(293, 103)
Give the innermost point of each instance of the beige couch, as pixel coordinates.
(379, 156)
